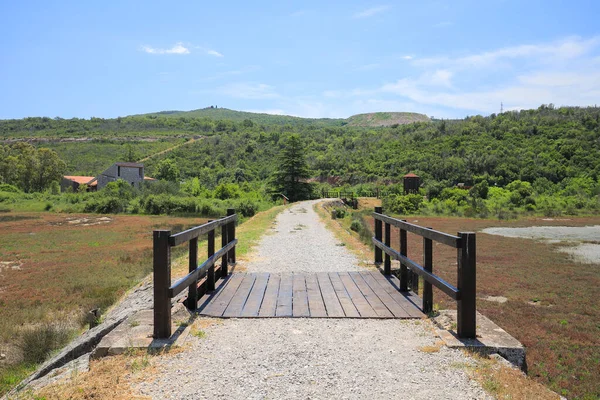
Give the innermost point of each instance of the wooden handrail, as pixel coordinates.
(164, 291)
(445, 238)
(464, 242)
(435, 280)
(187, 235)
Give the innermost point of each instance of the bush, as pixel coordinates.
(356, 226)
(164, 204)
(39, 342)
(338, 213)
(5, 187)
(106, 205)
(247, 208)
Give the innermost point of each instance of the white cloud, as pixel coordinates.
(566, 49)
(248, 90)
(214, 53)
(371, 12)
(178, 48)
(563, 72)
(407, 57)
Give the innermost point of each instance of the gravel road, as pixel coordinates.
(299, 242)
(300, 358)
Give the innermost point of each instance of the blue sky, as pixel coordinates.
(310, 58)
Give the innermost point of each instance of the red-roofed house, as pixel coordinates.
(73, 182)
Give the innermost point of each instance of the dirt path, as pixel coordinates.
(192, 140)
(303, 358)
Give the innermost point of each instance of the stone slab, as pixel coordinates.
(136, 333)
(490, 338)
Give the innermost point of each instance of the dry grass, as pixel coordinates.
(432, 349)
(108, 378)
(504, 382)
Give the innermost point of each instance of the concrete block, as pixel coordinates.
(490, 338)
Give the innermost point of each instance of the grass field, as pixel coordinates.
(553, 304)
(54, 268)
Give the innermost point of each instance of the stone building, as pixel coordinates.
(132, 173)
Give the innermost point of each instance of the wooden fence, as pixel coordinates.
(206, 274)
(351, 195)
(464, 293)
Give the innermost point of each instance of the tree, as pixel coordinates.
(130, 154)
(292, 171)
(167, 170)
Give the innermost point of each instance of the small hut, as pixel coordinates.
(411, 183)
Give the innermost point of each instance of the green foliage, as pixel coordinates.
(289, 178)
(402, 204)
(30, 169)
(5, 187)
(167, 170)
(338, 212)
(227, 191)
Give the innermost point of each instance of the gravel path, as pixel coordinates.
(299, 242)
(299, 358)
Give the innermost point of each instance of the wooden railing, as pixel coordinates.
(351, 195)
(205, 273)
(464, 293)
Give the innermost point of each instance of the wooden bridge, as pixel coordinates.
(364, 294)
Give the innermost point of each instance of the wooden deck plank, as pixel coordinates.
(384, 296)
(332, 304)
(410, 306)
(316, 305)
(269, 303)
(350, 310)
(299, 296)
(256, 296)
(362, 305)
(284, 299)
(217, 306)
(237, 303)
(370, 296)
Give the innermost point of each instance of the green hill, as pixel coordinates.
(366, 120)
(386, 119)
(239, 116)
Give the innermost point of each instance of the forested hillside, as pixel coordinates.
(544, 152)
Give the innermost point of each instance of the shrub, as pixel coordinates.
(106, 205)
(164, 204)
(356, 226)
(39, 342)
(338, 213)
(247, 208)
(5, 187)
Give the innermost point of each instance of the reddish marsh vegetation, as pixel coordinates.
(57, 267)
(553, 302)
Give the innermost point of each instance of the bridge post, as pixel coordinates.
(403, 269)
(162, 281)
(210, 274)
(192, 300)
(231, 235)
(387, 266)
(427, 266)
(224, 241)
(467, 285)
(378, 236)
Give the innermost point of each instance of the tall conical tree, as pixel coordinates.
(292, 171)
